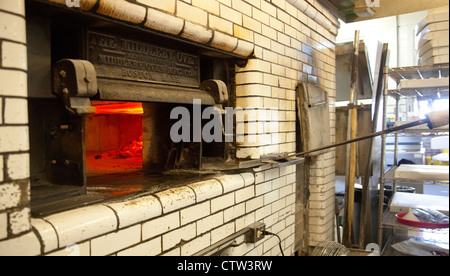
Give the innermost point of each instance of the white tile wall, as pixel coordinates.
(25, 245)
(19, 221)
(133, 211)
(10, 195)
(12, 27)
(116, 241)
(47, 234)
(3, 226)
(16, 111)
(12, 82)
(149, 248)
(83, 223)
(18, 166)
(288, 46)
(174, 199)
(14, 55)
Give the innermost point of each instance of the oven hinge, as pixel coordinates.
(217, 89)
(75, 81)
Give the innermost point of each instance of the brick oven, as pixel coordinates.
(89, 94)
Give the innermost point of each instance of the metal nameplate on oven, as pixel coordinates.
(121, 58)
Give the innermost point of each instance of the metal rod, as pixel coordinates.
(226, 242)
(372, 135)
(252, 163)
(382, 162)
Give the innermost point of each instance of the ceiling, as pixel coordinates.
(359, 10)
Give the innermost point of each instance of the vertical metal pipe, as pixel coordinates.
(397, 101)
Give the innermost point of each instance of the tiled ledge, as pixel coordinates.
(64, 229)
(166, 23)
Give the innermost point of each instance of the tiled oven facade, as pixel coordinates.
(285, 41)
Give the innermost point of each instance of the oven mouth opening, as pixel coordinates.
(115, 141)
(114, 138)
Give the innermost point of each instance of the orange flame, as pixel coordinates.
(118, 107)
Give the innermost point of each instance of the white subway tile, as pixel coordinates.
(14, 55)
(254, 204)
(196, 33)
(195, 212)
(163, 22)
(160, 225)
(233, 212)
(231, 182)
(10, 195)
(47, 234)
(25, 245)
(12, 27)
(222, 202)
(196, 245)
(122, 10)
(224, 42)
(16, 111)
(1, 167)
(176, 198)
(263, 188)
(220, 24)
(191, 13)
(14, 6)
(13, 82)
(136, 210)
(206, 189)
(18, 166)
(249, 178)
(278, 204)
(178, 236)
(19, 221)
(80, 224)
(263, 212)
(174, 252)
(167, 5)
(149, 248)
(208, 223)
(244, 194)
(3, 226)
(230, 14)
(116, 241)
(222, 232)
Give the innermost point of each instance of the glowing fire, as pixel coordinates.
(134, 149)
(118, 107)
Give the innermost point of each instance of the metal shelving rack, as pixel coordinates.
(387, 219)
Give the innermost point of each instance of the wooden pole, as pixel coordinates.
(351, 149)
(365, 213)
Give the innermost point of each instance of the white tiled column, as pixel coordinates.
(14, 144)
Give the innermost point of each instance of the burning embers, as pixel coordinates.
(134, 149)
(114, 137)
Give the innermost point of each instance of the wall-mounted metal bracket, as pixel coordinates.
(217, 89)
(75, 81)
